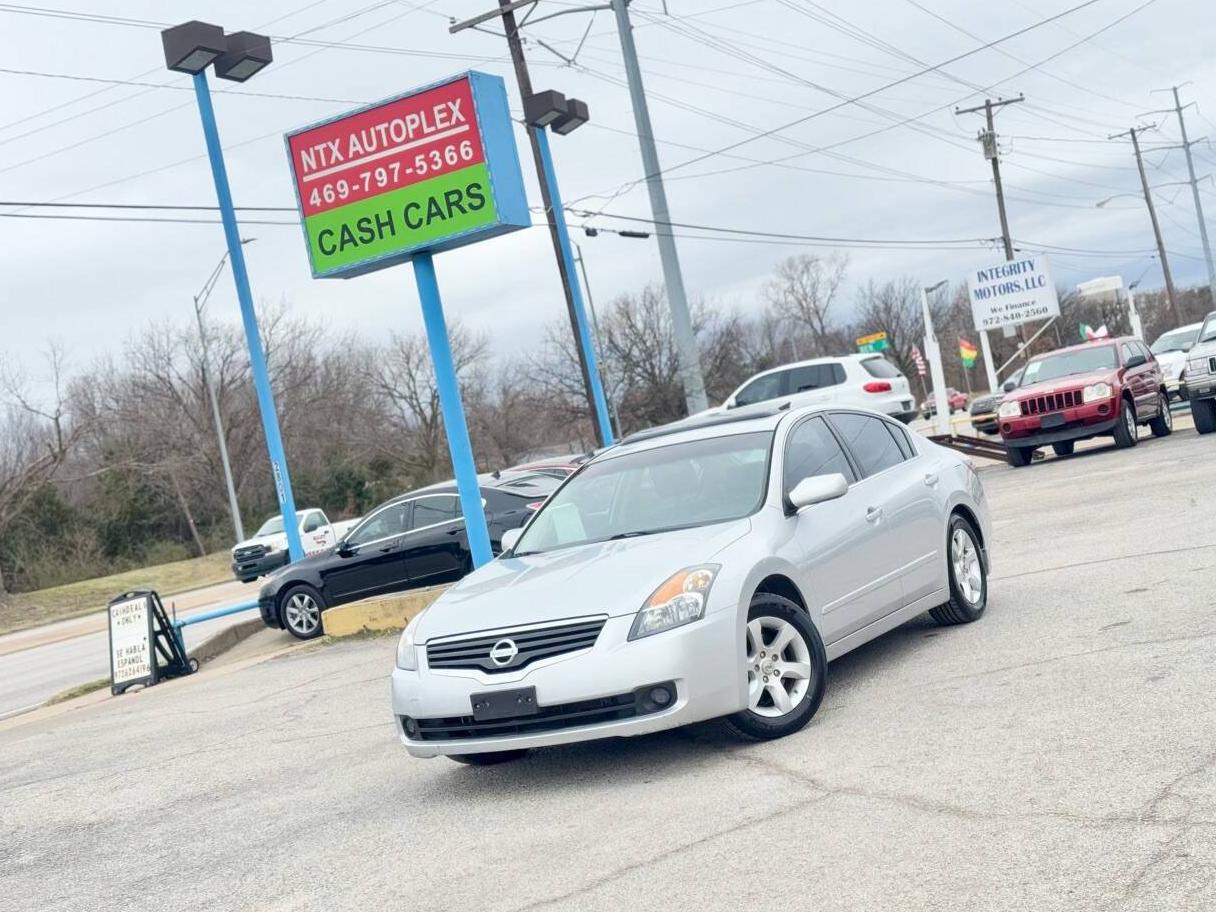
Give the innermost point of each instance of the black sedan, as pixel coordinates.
(414, 540)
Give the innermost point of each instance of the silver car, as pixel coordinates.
(696, 572)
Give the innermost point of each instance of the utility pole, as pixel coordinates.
(1190, 167)
(1134, 132)
(673, 278)
(992, 152)
(506, 9)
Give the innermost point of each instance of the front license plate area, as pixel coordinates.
(504, 704)
(1051, 421)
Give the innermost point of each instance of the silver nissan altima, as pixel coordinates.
(704, 570)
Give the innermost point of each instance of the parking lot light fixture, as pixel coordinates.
(192, 46)
(576, 115)
(245, 54)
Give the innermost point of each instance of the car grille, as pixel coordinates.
(1212, 365)
(529, 644)
(250, 552)
(547, 718)
(1053, 402)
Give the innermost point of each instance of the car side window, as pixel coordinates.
(873, 446)
(313, 522)
(384, 523)
(812, 449)
(1144, 350)
(902, 440)
(1127, 351)
(431, 510)
(770, 386)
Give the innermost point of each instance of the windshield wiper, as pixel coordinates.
(638, 533)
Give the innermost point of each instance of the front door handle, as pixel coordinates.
(930, 478)
(874, 514)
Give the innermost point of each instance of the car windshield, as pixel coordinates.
(1077, 361)
(676, 486)
(1175, 340)
(274, 525)
(1208, 333)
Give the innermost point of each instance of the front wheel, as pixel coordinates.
(1125, 427)
(1204, 413)
(1064, 447)
(786, 668)
(301, 612)
(1019, 456)
(968, 576)
(1163, 424)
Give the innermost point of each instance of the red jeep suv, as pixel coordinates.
(1071, 394)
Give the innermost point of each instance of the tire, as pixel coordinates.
(492, 758)
(300, 610)
(1125, 427)
(1019, 456)
(1163, 424)
(798, 669)
(1064, 447)
(1204, 413)
(968, 576)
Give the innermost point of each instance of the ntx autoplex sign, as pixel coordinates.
(431, 170)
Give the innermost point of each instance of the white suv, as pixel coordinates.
(868, 381)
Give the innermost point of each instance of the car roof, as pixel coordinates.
(826, 359)
(1092, 343)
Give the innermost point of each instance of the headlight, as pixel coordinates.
(1095, 392)
(1010, 409)
(680, 600)
(407, 653)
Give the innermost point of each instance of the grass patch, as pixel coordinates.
(31, 609)
(78, 691)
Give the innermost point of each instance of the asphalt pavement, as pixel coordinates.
(1060, 754)
(38, 663)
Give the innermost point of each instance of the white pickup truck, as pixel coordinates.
(1200, 377)
(267, 550)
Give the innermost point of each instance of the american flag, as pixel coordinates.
(920, 362)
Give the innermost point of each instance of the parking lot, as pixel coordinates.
(1059, 754)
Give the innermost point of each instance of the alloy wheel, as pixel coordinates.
(965, 559)
(778, 662)
(302, 613)
(1129, 421)
(1166, 414)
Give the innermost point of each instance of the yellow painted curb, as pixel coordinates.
(384, 612)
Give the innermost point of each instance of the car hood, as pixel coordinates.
(985, 403)
(1172, 363)
(274, 541)
(1071, 382)
(612, 578)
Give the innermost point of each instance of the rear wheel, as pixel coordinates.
(968, 576)
(1204, 413)
(489, 759)
(1125, 427)
(786, 668)
(1064, 447)
(1019, 456)
(301, 612)
(1163, 424)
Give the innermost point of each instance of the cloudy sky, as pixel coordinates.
(88, 114)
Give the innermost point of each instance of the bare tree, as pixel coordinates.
(803, 291)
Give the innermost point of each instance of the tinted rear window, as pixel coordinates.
(880, 367)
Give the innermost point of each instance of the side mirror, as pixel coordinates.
(729, 403)
(345, 548)
(817, 489)
(510, 538)
(1136, 360)
(1009, 386)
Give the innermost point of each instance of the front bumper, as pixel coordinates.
(251, 568)
(1080, 422)
(702, 659)
(1199, 387)
(985, 422)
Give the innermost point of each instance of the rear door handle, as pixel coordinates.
(930, 478)
(873, 514)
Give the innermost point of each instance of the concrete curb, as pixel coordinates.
(382, 613)
(213, 647)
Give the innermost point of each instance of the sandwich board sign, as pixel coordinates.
(1012, 292)
(144, 647)
(433, 169)
(398, 181)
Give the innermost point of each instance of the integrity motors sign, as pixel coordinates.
(1012, 292)
(430, 170)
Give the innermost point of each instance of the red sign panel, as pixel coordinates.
(385, 148)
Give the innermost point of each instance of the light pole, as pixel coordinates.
(595, 326)
(190, 48)
(934, 353)
(200, 302)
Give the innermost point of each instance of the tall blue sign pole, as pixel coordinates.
(257, 357)
(576, 293)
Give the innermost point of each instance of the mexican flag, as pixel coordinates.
(967, 352)
(1088, 333)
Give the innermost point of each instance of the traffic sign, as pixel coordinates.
(431, 170)
(874, 342)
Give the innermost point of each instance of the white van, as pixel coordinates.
(866, 380)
